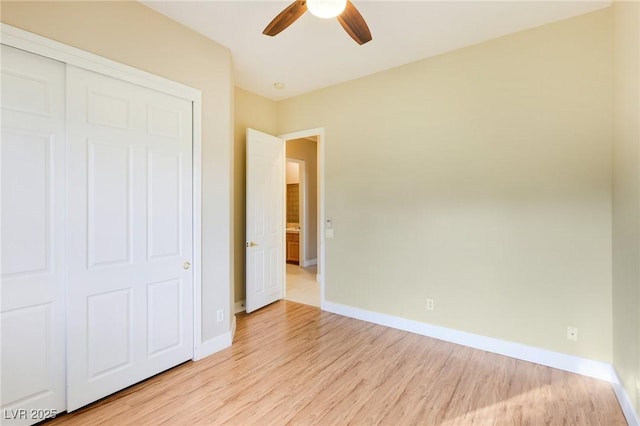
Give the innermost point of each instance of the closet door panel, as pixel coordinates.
(32, 237)
(130, 289)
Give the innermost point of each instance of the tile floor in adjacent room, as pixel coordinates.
(302, 286)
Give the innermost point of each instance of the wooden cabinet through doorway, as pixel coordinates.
(293, 248)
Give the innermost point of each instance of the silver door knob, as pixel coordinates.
(186, 265)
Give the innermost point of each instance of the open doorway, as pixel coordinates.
(302, 236)
(265, 244)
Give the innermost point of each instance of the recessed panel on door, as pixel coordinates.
(109, 110)
(274, 269)
(274, 213)
(27, 362)
(164, 204)
(110, 201)
(27, 178)
(258, 277)
(165, 316)
(25, 91)
(164, 122)
(110, 332)
(257, 205)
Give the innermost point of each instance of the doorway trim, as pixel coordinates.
(320, 143)
(30, 42)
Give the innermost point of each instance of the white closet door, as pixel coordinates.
(130, 290)
(32, 307)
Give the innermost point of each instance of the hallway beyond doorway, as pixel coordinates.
(302, 286)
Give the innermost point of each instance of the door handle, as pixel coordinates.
(251, 244)
(186, 265)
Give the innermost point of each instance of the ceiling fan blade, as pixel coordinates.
(354, 24)
(286, 18)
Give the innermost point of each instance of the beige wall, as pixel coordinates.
(626, 196)
(256, 112)
(480, 178)
(293, 172)
(133, 34)
(305, 149)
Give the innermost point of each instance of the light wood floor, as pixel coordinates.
(293, 364)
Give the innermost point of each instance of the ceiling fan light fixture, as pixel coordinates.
(344, 10)
(326, 8)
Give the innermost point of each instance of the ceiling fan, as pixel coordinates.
(343, 10)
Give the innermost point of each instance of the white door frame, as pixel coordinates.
(319, 134)
(39, 45)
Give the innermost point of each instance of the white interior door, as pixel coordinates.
(265, 219)
(130, 289)
(32, 237)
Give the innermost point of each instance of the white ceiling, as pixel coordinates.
(314, 53)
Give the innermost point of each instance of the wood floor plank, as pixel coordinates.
(293, 364)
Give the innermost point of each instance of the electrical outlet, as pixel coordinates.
(572, 334)
(430, 305)
(220, 315)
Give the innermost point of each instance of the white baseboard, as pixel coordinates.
(574, 364)
(212, 346)
(625, 403)
(233, 328)
(239, 306)
(309, 262)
